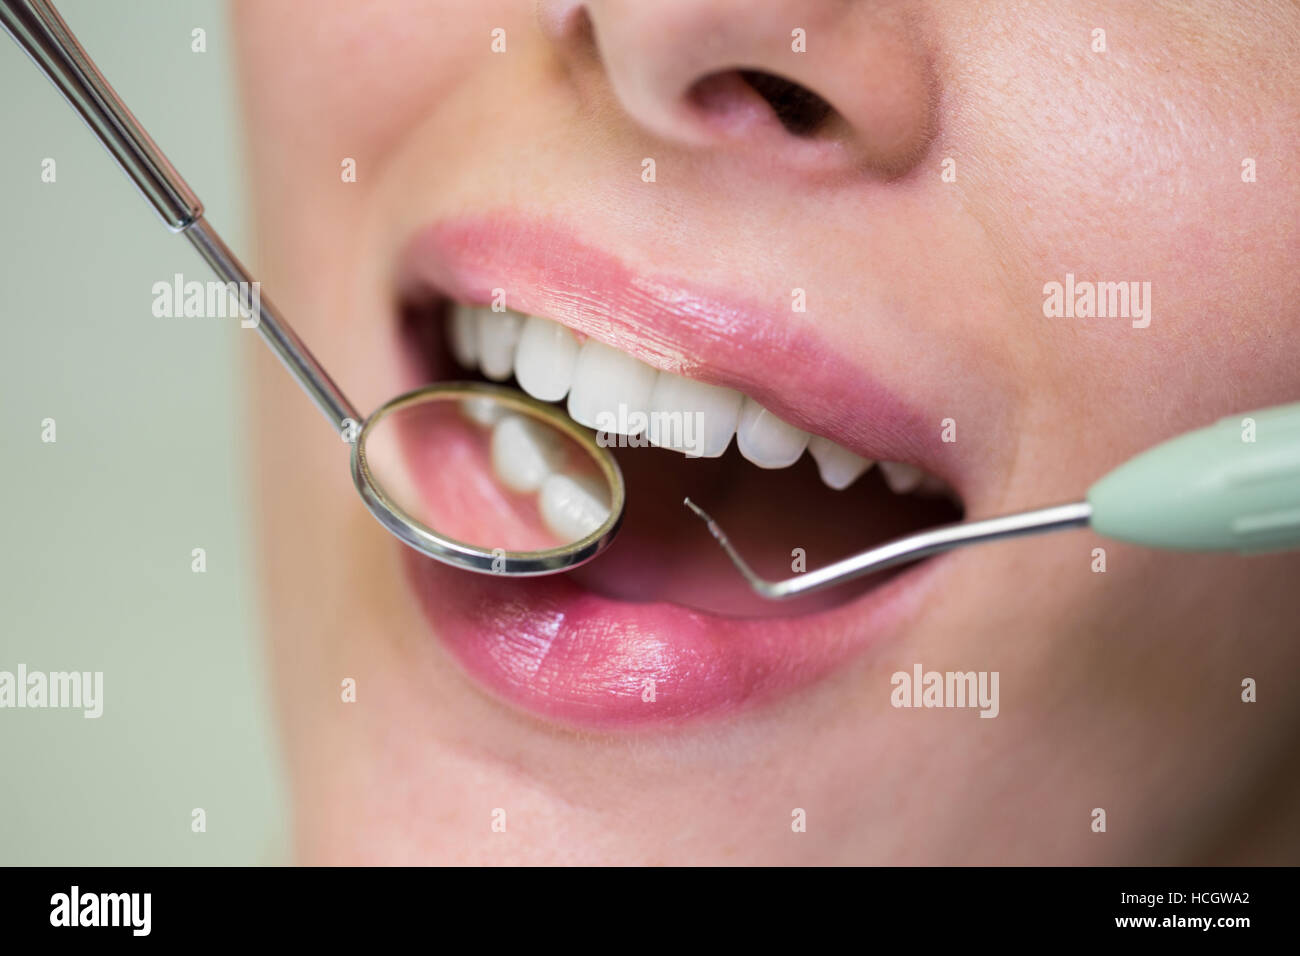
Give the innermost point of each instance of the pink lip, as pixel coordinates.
(552, 648)
(774, 357)
(549, 647)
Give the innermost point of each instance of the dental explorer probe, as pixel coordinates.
(1231, 486)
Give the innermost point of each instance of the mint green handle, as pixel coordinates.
(1211, 489)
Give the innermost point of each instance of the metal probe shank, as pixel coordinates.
(902, 550)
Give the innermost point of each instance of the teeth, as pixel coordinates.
(525, 452)
(838, 466)
(482, 410)
(545, 358)
(901, 477)
(572, 507)
(498, 334)
(766, 440)
(463, 333)
(693, 417)
(610, 389)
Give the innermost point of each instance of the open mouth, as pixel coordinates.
(798, 453)
(790, 499)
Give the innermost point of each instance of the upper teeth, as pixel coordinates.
(550, 363)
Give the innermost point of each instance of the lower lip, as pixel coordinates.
(550, 648)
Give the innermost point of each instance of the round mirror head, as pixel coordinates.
(485, 478)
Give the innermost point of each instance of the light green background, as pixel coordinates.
(98, 527)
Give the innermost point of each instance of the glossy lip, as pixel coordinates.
(553, 649)
(558, 651)
(699, 333)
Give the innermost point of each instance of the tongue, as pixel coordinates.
(664, 553)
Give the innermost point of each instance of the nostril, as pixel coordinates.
(801, 111)
(798, 109)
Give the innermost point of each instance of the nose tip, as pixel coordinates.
(800, 81)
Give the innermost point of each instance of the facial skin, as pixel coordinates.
(1119, 690)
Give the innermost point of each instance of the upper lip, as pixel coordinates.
(777, 359)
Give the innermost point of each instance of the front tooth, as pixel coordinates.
(605, 379)
(462, 332)
(482, 410)
(838, 466)
(498, 334)
(766, 440)
(901, 477)
(545, 358)
(692, 417)
(525, 452)
(573, 507)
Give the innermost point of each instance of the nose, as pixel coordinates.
(800, 81)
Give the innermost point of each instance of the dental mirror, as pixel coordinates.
(477, 476)
(487, 478)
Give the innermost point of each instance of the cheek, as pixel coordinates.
(1128, 167)
(350, 77)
